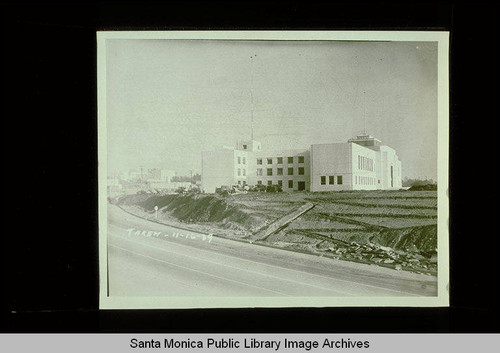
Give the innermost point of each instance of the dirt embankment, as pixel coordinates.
(199, 212)
(412, 249)
(340, 226)
(422, 238)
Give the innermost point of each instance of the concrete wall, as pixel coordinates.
(390, 159)
(331, 160)
(249, 145)
(275, 178)
(243, 166)
(364, 168)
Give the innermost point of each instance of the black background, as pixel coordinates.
(49, 175)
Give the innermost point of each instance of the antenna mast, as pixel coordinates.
(364, 114)
(251, 94)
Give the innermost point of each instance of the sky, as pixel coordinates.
(168, 100)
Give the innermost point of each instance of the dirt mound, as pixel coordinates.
(423, 238)
(195, 209)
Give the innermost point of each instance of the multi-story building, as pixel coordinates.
(362, 163)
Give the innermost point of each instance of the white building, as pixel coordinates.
(362, 163)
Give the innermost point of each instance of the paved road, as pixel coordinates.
(150, 259)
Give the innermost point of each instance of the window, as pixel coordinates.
(269, 182)
(239, 171)
(290, 171)
(323, 180)
(301, 170)
(280, 160)
(259, 160)
(280, 183)
(259, 172)
(290, 184)
(244, 147)
(269, 171)
(239, 160)
(280, 171)
(259, 182)
(290, 159)
(365, 163)
(244, 160)
(244, 172)
(339, 179)
(269, 161)
(330, 179)
(301, 159)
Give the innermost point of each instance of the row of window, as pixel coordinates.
(240, 172)
(331, 180)
(279, 160)
(364, 180)
(244, 160)
(280, 183)
(279, 171)
(365, 163)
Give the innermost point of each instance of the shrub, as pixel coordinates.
(425, 187)
(257, 188)
(274, 188)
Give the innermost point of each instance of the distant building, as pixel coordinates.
(133, 174)
(362, 163)
(153, 174)
(113, 185)
(166, 175)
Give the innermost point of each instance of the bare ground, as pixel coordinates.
(396, 229)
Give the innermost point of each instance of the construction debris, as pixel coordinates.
(410, 260)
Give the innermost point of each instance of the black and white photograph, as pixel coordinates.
(273, 169)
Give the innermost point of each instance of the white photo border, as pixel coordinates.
(442, 298)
